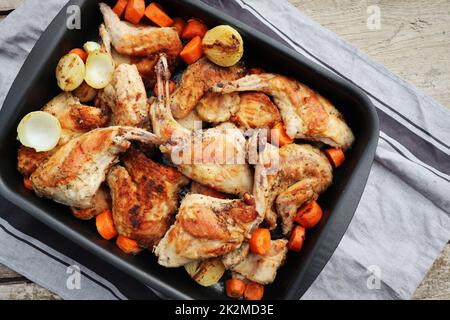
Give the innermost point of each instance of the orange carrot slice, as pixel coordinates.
(309, 215)
(135, 11)
(336, 156)
(255, 71)
(234, 288)
(157, 15)
(279, 136)
(260, 241)
(120, 7)
(105, 225)
(127, 245)
(192, 51)
(194, 28)
(297, 239)
(179, 25)
(254, 291)
(27, 184)
(79, 52)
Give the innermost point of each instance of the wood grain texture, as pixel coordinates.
(436, 284)
(8, 276)
(6, 5)
(413, 41)
(25, 291)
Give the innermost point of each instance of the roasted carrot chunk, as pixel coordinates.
(194, 28)
(105, 225)
(120, 7)
(336, 156)
(235, 288)
(157, 15)
(309, 215)
(172, 87)
(135, 11)
(255, 71)
(127, 245)
(253, 291)
(27, 183)
(260, 241)
(79, 52)
(192, 51)
(297, 239)
(279, 136)
(179, 24)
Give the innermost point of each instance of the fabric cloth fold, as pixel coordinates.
(402, 222)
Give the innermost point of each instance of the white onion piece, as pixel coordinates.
(99, 69)
(39, 130)
(91, 46)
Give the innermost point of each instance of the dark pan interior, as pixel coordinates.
(36, 84)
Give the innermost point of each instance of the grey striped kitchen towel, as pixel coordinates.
(402, 222)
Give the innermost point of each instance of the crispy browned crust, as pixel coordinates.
(207, 227)
(159, 40)
(86, 118)
(256, 110)
(206, 222)
(73, 164)
(28, 160)
(196, 81)
(145, 197)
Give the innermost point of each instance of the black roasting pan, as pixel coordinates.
(36, 84)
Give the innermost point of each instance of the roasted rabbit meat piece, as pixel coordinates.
(197, 188)
(306, 114)
(214, 157)
(249, 110)
(296, 174)
(261, 268)
(206, 227)
(139, 40)
(198, 78)
(192, 121)
(217, 108)
(125, 96)
(235, 257)
(75, 119)
(256, 110)
(145, 197)
(222, 163)
(74, 173)
(101, 202)
(28, 159)
(145, 65)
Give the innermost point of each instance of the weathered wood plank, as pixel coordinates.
(25, 291)
(436, 284)
(7, 275)
(6, 5)
(413, 40)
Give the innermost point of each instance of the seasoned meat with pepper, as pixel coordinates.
(145, 197)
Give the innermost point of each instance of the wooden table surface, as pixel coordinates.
(413, 42)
